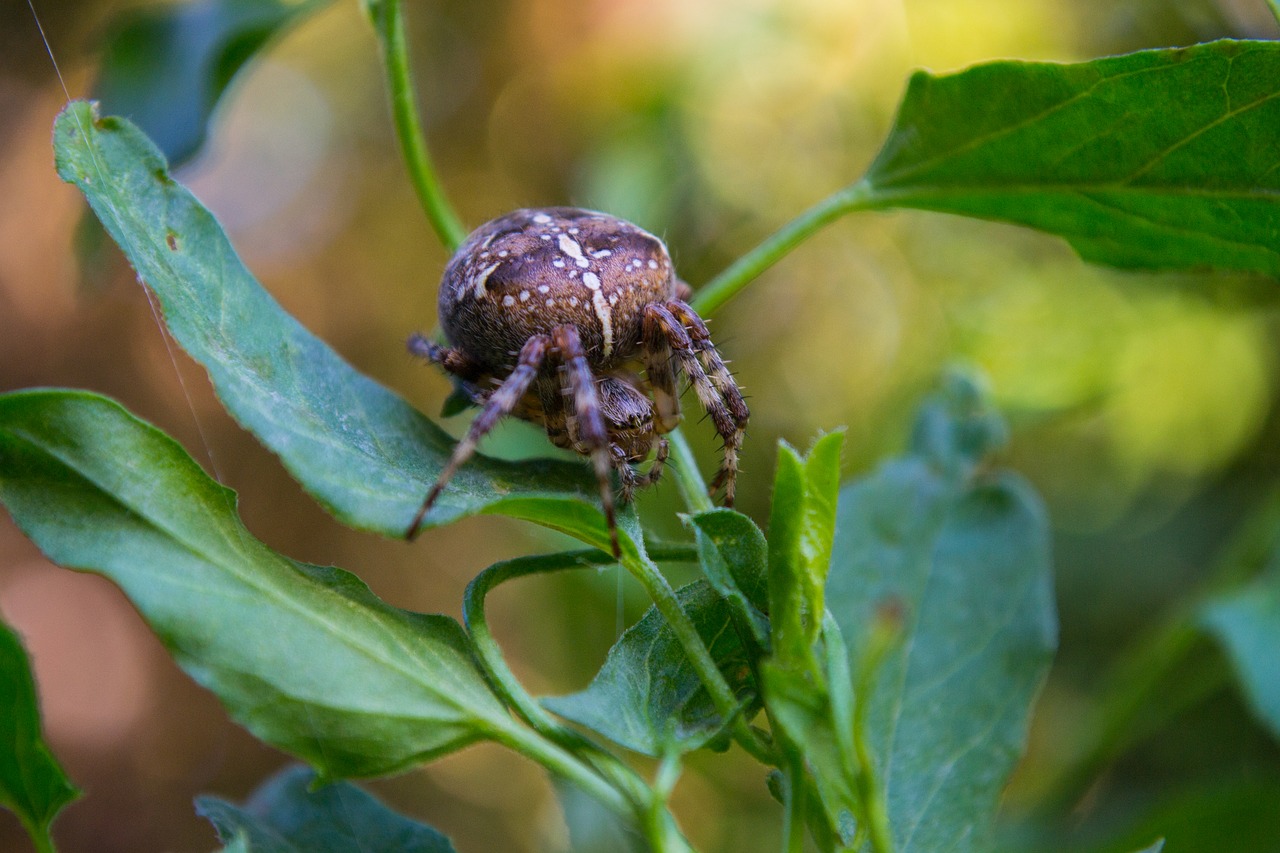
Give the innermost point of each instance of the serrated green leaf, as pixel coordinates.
(165, 68)
(647, 696)
(801, 526)
(1247, 623)
(966, 564)
(303, 656)
(735, 560)
(364, 453)
(289, 815)
(1162, 159)
(32, 785)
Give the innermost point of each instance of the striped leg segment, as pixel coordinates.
(587, 426)
(500, 403)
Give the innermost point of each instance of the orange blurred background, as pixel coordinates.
(1143, 407)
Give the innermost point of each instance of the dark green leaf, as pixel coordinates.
(304, 656)
(965, 562)
(364, 453)
(1247, 623)
(32, 785)
(735, 560)
(286, 816)
(1163, 159)
(1225, 815)
(165, 68)
(647, 696)
(801, 526)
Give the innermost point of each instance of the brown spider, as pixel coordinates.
(551, 312)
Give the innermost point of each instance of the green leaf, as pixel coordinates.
(735, 561)
(286, 815)
(303, 656)
(801, 526)
(965, 562)
(1236, 815)
(647, 696)
(363, 452)
(801, 706)
(1247, 623)
(32, 785)
(165, 68)
(1162, 159)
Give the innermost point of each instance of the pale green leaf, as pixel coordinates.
(290, 813)
(965, 562)
(303, 656)
(362, 451)
(1247, 623)
(647, 696)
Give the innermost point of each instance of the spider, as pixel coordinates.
(550, 313)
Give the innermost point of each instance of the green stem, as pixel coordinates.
(647, 804)
(726, 704)
(693, 489)
(741, 272)
(884, 635)
(566, 765)
(413, 146)
(797, 787)
(504, 681)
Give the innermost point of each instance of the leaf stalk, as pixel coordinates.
(715, 293)
(389, 19)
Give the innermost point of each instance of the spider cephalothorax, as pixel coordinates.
(550, 314)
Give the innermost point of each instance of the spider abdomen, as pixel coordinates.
(533, 270)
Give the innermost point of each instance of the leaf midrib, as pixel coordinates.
(269, 592)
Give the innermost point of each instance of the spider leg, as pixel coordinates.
(633, 479)
(447, 358)
(501, 402)
(469, 378)
(587, 425)
(711, 360)
(659, 365)
(687, 338)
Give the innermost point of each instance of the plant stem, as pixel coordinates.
(793, 830)
(413, 146)
(566, 765)
(726, 704)
(648, 803)
(885, 633)
(504, 681)
(693, 489)
(741, 272)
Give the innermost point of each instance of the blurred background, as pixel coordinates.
(1143, 407)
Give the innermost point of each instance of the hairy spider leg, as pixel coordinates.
(450, 359)
(720, 376)
(659, 365)
(728, 411)
(588, 423)
(500, 403)
(633, 479)
(470, 376)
